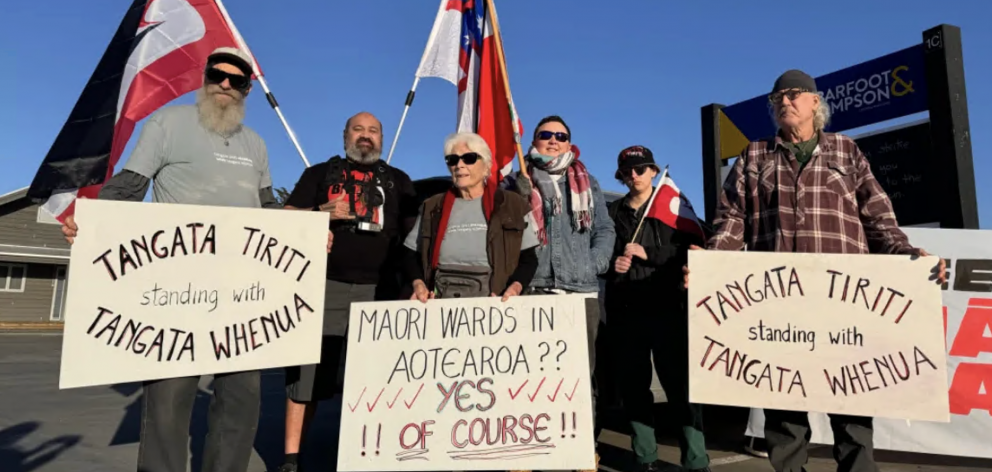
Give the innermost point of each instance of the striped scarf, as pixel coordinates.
(580, 191)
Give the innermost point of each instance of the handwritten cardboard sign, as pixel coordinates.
(161, 290)
(831, 333)
(467, 384)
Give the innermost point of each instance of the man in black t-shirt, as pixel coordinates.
(372, 206)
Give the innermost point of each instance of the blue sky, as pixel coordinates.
(620, 76)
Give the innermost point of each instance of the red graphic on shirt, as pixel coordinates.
(361, 210)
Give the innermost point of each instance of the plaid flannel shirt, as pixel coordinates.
(834, 205)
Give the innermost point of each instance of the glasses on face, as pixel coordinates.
(217, 76)
(793, 94)
(546, 135)
(639, 170)
(468, 158)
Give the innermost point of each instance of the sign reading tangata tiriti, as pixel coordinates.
(850, 334)
(468, 384)
(162, 290)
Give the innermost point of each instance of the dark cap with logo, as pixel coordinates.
(794, 79)
(634, 156)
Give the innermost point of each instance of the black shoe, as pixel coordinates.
(657, 466)
(288, 468)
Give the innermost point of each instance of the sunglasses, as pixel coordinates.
(639, 170)
(217, 76)
(546, 135)
(468, 158)
(793, 94)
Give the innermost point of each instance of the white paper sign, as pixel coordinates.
(467, 384)
(852, 334)
(162, 290)
(967, 300)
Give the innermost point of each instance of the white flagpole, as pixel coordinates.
(261, 80)
(416, 80)
(648, 207)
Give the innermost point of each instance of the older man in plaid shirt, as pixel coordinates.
(808, 191)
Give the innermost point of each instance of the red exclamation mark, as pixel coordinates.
(378, 439)
(363, 441)
(574, 421)
(563, 424)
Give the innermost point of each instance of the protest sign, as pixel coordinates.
(163, 290)
(468, 384)
(967, 327)
(834, 333)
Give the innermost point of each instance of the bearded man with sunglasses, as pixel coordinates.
(372, 206)
(648, 314)
(574, 229)
(808, 191)
(199, 154)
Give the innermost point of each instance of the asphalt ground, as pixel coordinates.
(95, 429)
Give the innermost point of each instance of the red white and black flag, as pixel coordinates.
(157, 55)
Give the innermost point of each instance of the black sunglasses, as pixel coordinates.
(640, 170)
(217, 76)
(468, 158)
(793, 94)
(546, 135)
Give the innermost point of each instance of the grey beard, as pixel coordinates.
(223, 120)
(356, 155)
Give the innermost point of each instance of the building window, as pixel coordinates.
(12, 277)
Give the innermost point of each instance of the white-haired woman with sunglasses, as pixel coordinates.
(475, 239)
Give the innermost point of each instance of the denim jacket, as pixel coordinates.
(572, 260)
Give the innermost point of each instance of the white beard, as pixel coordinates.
(356, 155)
(223, 120)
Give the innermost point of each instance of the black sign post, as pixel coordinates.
(926, 168)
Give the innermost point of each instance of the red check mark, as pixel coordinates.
(372, 406)
(556, 391)
(573, 391)
(408, 405)
(513, 396)
(390, 405)
(357, 402)
(532, 397)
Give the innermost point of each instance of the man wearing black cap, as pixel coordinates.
(808, 191)
(647, 309)
(199, 154)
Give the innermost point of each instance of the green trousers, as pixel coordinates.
(644, 333)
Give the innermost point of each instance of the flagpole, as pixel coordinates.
(506, 81)
(648, 207)
(261, 80)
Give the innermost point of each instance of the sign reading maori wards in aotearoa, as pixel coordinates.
(467, 384)
(851, 334)
(162, 290)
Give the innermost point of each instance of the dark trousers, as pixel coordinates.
(231, 421)
(645, 331)
(788, 434)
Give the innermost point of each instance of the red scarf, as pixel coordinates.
(488, 195)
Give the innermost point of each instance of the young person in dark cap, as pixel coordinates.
(199, 154)
(805, 190)
(647, 309)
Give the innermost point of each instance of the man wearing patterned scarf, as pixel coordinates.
(572, 223)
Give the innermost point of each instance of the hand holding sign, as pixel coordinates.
(939, 272)
(685, 268)
(69, 229)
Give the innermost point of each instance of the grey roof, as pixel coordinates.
(13, 196)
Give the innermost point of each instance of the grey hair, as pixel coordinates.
(821, 116)
(474, 142)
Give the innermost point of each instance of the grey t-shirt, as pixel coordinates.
(465, 239)
(191, 165)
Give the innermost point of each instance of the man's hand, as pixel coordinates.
(330, 240)
(420, 291)
(685, 268)
(622, 265)
(69, 229)
(939, 272)
(634, 249)
(339, 208)
(513, 290)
